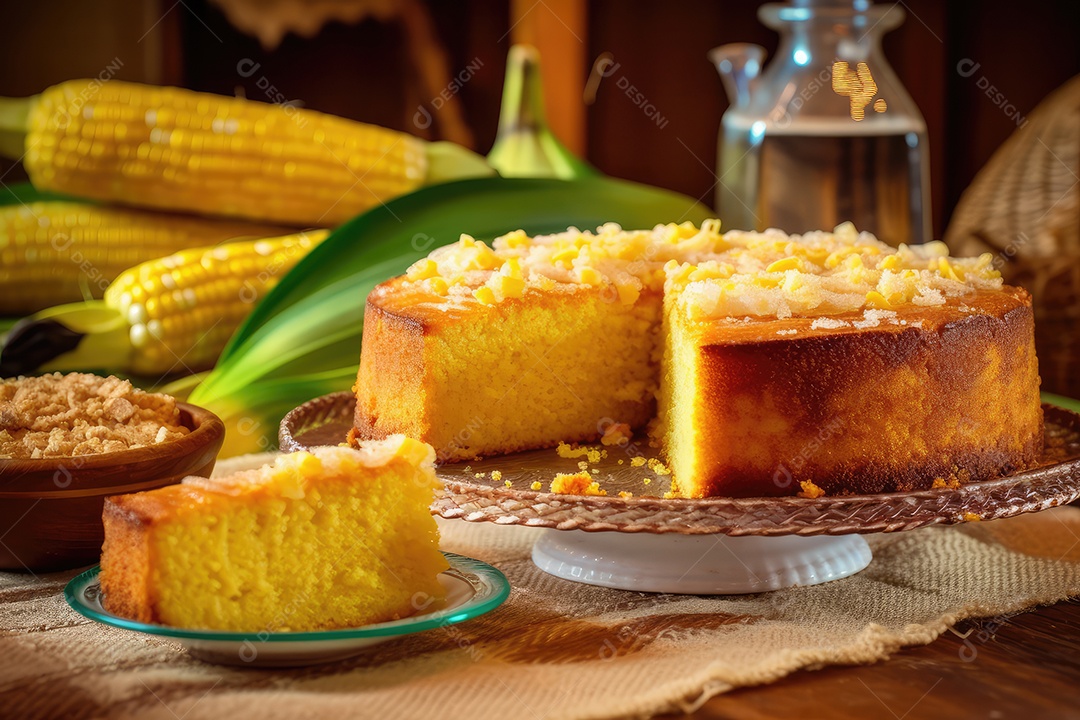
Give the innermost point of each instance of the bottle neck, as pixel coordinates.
(819, 43)
(804, 83)
(823, 31)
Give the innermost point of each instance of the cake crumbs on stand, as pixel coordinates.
(617, 434)
(591, 454)
(576, 484)
(658, 467)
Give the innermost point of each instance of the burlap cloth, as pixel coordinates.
(556, 649)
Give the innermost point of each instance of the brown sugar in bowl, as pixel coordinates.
(50, 508)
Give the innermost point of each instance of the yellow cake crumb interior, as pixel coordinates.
(566, 368)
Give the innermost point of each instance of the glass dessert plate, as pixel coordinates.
(473, 588)
(707, 545)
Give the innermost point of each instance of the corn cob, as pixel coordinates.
(54, 252)
(176, 149)
(183, 308)
(169, 315)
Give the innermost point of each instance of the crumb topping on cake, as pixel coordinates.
(713, 274)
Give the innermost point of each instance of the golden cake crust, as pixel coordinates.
(388, 386)
(950, 396)
(126, 587)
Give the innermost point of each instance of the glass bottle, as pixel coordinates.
(826, 133)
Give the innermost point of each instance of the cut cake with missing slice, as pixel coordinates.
(774, 364)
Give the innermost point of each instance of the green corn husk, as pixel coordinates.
(303, 339)
(525, 146)
(1061, 401)
(252, 413)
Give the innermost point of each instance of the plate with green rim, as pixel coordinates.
(473, 588)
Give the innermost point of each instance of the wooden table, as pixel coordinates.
(1026, 666)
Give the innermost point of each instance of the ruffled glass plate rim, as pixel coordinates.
(489, 585)
(473, 494)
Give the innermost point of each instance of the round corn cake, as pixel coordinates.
(763, 363)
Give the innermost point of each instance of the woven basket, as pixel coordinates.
(1024, 207)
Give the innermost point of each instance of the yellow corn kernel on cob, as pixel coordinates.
(54, 252)
(182, 309)
(210, 154)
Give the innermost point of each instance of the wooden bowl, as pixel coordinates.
(50, 508)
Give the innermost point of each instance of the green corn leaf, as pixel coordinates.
(1061, 401)
(24, 193)
(252, 414)
(5, 325)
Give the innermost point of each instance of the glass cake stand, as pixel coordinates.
(707, 546)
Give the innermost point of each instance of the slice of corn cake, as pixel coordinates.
(331, 538)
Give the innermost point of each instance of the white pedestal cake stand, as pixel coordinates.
(698, 564)
(708, 546)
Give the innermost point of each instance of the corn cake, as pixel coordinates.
(331, 538)
(760, 361)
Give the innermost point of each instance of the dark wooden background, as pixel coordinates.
(1025, 49)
